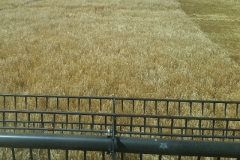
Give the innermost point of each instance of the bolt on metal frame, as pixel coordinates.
(119, 126)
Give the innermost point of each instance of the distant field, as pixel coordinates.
(134, 48)
(220, 20)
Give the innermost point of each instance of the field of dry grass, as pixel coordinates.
(134, 48)
(127, 48)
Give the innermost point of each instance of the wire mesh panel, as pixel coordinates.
(179, 119)
(115, 119)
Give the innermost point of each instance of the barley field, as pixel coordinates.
(134, 48)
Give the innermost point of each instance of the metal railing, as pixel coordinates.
(119, 127)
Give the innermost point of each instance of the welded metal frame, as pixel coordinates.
(114, 122)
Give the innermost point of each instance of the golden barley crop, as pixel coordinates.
(127, 48)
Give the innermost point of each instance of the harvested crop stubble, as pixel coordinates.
(219, 19)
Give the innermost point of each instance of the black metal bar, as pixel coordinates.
(92, 125)
(121, 115)
(167, 106)
(49, 154)
(236, 110)
(226, 129)
(42, 123)
(15, 102)
(113, 141)
(68, 103)
(225, 109)
(89, 104)
(133, 106)
(16, 120)
(213, 126)
(159, 127)
(179, 105)
(214, 108)
(4, 102)
(57, 103)
(190, 103)
(103, 124)
(28, 119)
(178, 147)
(25, 98)
(78, 104)
(36, 101)
(122, 104)
(31, 154)
(171, 133)
(46, 98)
(3, 120)
(156, 107)
(143, 125)
(66, 154)
(85, 155)
(122, 98)
(144, 106)
(66, 123)
(124, 144)
(200, 128)
(13, 154)
(54, 141)
(103, 155)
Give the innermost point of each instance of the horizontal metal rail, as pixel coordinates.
(119, 98)
(122, 144)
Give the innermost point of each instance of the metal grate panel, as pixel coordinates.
(172, 119)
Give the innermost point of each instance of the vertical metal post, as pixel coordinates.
(103, 155)
(159, 157)
(78, 104)
(13, 154)
(31, 154)
(25, 98)
(111, 132)
(49, 154)
(57, 103)
(4, 123)
(85, 154)
(202, 108)
(66, 154)
(114, 129)
(36, 101)
(46, 98)
(4, 102)
(68, 103)
(15, 102)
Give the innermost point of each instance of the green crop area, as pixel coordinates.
(219, 19)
